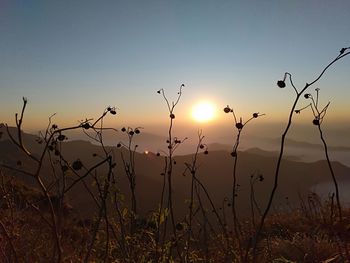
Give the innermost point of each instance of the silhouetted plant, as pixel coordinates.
(172, 144)
(255, 177)
(282, 84)
(130, 169)
(51, 141)
(196, 185)
(319, 115)
(239, 125)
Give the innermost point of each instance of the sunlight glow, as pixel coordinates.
(203, 112)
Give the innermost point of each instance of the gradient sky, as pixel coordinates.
(77, 57)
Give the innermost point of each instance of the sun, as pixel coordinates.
(203, 112)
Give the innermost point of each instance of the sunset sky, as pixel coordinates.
(75, 58)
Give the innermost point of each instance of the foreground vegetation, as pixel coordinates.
(308, 234)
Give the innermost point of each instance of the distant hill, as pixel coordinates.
(214, 170)
(314, 146)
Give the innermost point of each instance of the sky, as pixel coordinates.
(75, 58)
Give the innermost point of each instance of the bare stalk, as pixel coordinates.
(281, 84)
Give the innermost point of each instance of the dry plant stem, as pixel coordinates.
(159, 215)
(129, 167)
(169, 174)
(171, 149)
(10, 241)
(192, 168)
(236, 226)
(332, 172)
(336, 187)
(38, 179)
(204, 212)
(283, 137)
(104, 193)
(122, 227)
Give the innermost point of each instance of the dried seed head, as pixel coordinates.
(201, 146)
(86, 126)
(281, 84)
(227, 109)
(119, 145)
(77, 165)
(61, 137)
(123, 129)
(316, 122)
(307, 95)
(131, 132)
(255, 115)
(239, 125)
(137, 131)
(172, 116)
(206, 152)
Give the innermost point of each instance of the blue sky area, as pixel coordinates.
(77, 57)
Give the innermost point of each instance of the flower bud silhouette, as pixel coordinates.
(316, 122)
(227, 109)
(77, 165)
(281, 84)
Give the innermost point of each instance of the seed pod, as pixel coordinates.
(281, 84)
(61, 137)
(123, 129)
(227, 109)
(77, 165)
(255, 115)
(172, 116)
(316, 122)
(137, 131)
(239, 125)
(86, 126)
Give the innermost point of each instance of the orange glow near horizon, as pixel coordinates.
(203, 112)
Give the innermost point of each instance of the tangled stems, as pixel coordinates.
(52, 137)
(281, 83)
